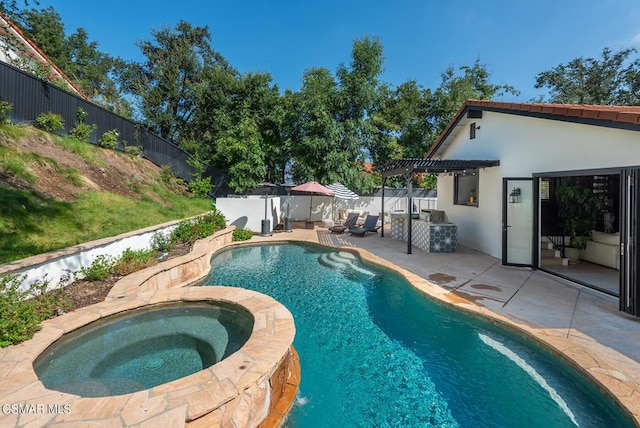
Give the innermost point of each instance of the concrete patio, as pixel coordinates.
(582, 324)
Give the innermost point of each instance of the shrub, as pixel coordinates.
(109, 139)
(22, 311)
(242, 234)
(133, 150)
(101, 268)
(166, 173)
(5, 108)
(50, 122)
(192, 230)
(133, 260)
(161, 242)
(82, 131)
(199, 185)
(182, 232)
(81, 114)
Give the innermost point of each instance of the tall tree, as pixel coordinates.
(92, 70)
(240, 150)
(454, 90)
(167, 84)
(334, 122)
(360, 92)
(613, 79)
(11, 8)
(402, 123)
(237, 124)
(78, 57)
(316, 155)
(46, 29)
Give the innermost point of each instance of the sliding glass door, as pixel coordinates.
(629, 239)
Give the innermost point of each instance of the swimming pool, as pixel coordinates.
(374, 352)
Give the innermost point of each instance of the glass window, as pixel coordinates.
(466, 189)
(544, 189)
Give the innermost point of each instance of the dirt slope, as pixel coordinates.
(69, 174)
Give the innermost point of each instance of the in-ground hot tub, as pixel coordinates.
(142, 348)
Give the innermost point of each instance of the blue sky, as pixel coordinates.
(515, 39)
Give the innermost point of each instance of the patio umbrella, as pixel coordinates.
(341, 191)
(313, 187)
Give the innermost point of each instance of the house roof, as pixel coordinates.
(29, 44)
(417, 165)
(624, 117)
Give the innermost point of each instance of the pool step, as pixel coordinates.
(342, 261)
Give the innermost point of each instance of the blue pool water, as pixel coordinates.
(142, 348)
(374, 352)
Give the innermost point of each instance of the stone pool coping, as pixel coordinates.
(235, 390)
(603, 373)
(193, 266)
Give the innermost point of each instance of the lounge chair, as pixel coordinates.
(370, 225)
(350, 222)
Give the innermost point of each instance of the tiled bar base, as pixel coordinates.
(429, 237)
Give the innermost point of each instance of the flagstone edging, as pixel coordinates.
(243, 389)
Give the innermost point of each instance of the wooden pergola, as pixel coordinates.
(409, 166)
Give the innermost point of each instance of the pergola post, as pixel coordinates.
(384, 180)
(409, 176)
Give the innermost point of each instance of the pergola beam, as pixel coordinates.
(408, 167)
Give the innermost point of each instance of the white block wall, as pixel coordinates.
(58, 270)
(248, 212)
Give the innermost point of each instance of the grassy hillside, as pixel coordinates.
(56, 192)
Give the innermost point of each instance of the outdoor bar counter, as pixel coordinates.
(428, 236)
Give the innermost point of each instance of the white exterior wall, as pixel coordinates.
(248, 212)
(524, 146)
(59, 271)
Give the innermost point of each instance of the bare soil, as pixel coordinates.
(111, 171)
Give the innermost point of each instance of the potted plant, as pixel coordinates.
(578, 209)
(472, 196)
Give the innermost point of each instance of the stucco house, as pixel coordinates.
(507, 204)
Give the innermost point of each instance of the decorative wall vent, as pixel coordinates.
(472, 131)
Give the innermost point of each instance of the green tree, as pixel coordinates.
(11, 8)
(239, 153)
(332, 123)
(612, 80)
(316, 154)
(78, 57)
(230, 106)
(455, 89)
(359, 82)
(45, 28)
(261, 101)
(168, 83)
(92, 70)
(359, 97)
(401, 123)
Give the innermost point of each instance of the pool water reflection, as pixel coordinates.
(374, 352)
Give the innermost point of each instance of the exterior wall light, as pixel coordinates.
(514, 196)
